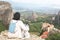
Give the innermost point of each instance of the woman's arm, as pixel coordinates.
(22, 26)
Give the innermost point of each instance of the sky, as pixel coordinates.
(36, 3)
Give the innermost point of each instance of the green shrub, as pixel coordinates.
(2, 27)
(55, 36)
(35, 27)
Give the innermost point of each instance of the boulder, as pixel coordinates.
(6, 12)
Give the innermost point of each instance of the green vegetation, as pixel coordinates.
(55, 36)
(2, 27)
(35, 27)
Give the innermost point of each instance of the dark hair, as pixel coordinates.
(16, 16)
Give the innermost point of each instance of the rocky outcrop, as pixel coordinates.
(4, 37)
(5, 12)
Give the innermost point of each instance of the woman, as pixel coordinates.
(19, 27)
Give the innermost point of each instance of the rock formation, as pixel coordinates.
(5, 12)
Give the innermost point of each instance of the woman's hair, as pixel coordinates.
(16, 16)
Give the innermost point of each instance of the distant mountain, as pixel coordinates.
(29, 7)
(42, 9)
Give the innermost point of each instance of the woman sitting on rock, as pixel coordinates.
(17, 27)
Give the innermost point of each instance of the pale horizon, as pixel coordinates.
(37, 3)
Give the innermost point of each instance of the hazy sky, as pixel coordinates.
(38, 3)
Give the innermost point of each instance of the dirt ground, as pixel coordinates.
(32, 37)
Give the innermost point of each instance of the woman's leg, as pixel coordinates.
(27, 34)
(11, 35)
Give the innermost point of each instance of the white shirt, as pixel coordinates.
(20, 27)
